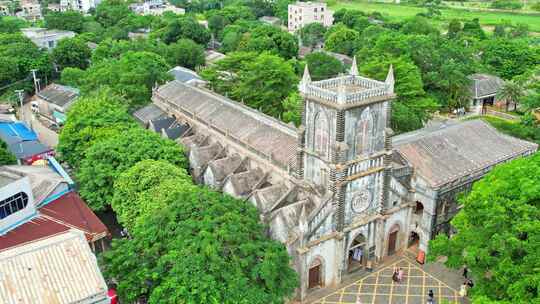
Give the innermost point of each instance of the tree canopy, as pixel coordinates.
(71, 52)
(69, 21)
(204, 235)
(498, 234)
(6, 157)
(323, 66)
(266, 38)
(185, 27)
(186, 53)
(106, 159)
(130, 199)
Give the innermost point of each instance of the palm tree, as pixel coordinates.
(511, 91)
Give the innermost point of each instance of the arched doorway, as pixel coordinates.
(315, 274)
(419, 209)
(357, 256)
(393, 239)
(414, 240)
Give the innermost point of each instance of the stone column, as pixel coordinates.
(300, 152)
(341, 172)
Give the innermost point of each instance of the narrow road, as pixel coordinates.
(46, 136)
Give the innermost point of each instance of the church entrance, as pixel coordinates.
(357, 256)
(314, 275)
(393, 239)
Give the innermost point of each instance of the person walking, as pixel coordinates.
(465, 272)
(430, 297)
(395, 275)
(463, 289)
(400, 274)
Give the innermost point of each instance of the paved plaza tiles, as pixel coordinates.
(379, 288)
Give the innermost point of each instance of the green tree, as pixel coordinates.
(132, 76)
(509, 58)
(291, 108)
(264, 83)
(106, 159)
(71, 52)
(341, 40)
(110, 12)
(454, 28)
(205, 235)
(511, 92)
(6, 157)
(9, 24)
(312, 34)
(323, 66)
(502, 253)
(89, 119)
(419, 26)
(18, 56)
(268, 38)
(114, 49)
(69, 21)
(216, 24)
(186, 53)
(185, 27)
(474, 29)
(129, 201)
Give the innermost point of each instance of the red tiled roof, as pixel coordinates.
(68, 211)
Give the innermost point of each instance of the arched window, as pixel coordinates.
(364, 133)
(321, 134)
(13, 204)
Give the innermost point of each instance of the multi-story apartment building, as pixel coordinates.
(304, 13)
(82, 6)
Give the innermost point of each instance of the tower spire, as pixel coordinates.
(354, 68)
(390, 79)
(306, 80)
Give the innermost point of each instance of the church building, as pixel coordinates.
(339, 191)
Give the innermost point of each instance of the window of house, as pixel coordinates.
(51, 44)
(13, 204)
(322, 9)
(315, 10)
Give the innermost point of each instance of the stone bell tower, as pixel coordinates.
(344, 149)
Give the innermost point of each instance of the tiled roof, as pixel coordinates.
(183, 74)
(262, 133)
(67, 212)
(59, 269)
(58, 94)
(485, 85)
(148, 113)
(446, 154)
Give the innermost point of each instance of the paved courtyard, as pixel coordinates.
(378, 288)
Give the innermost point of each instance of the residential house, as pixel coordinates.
(54, 101)
(30, 10)
(271, 20)
(45, 38)
(82, 6)
(59, 269)
(23, 142)
(304, 13)
(484, 89)
(155, 8)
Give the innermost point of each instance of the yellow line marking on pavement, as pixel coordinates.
(408, 285)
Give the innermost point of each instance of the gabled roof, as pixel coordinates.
(65, 213)
(175, 132)
(58, 94)
(260, 132)
(162, 123)
(60, 269)
(483, 85)
(18, 130)
(184, 74)
(445, 154)
(148, 113)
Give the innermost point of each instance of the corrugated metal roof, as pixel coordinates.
(484, 85)
(148, 113)
(58, 94)
(59, 269)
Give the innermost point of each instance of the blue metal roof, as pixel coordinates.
(18, 130)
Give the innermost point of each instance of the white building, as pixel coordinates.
(16, 200)
(156, 8)
(45, 38)
(30, 10)
(304, 13)
(82, 6)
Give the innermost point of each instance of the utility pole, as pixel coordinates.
(36, 85)
(20, 93)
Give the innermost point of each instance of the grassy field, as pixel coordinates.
(401, 11)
